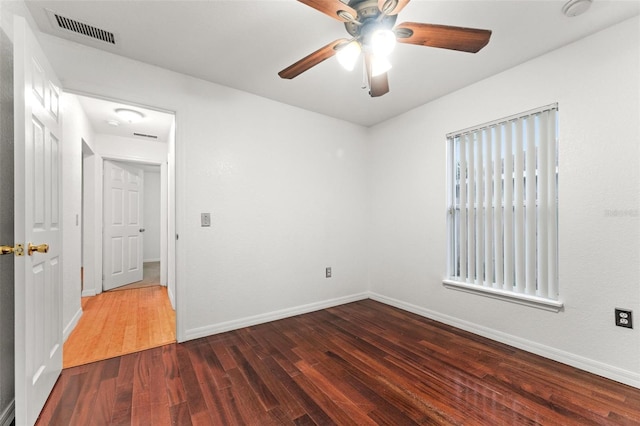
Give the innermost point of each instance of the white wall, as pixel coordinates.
(287, 193)
(130, 149)
(596, 83)
(76, 128)
(92, 221)
(151, 250)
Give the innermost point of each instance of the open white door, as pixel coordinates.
(123, 227)
(38, 320)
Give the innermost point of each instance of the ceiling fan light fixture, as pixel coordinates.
(129, 115)
(383, 42)
(379, 65)
(348, 55)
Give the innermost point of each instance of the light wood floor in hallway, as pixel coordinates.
(116, 323)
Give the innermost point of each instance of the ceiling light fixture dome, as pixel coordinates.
(576, 7)
(379, 65)
(383, 42)
(348, 55)
(129, 115)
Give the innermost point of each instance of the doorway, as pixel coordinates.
(139, 262)
(147, 149)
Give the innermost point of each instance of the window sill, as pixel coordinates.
(494, 293)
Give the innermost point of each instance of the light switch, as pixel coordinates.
(205, 219)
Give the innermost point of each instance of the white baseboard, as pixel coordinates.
(88, 293)
(72, 324)
(172, 298)
(596, 367)
(8, 414)
(196, 333)
(150, 260)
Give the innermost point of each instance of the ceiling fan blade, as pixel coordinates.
(311, 60)
(332, 8)
(394, 6)
(378, 85)
(443, 36)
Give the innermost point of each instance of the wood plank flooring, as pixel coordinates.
(363, 363)
(116, 323)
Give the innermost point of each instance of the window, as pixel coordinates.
(503, 209)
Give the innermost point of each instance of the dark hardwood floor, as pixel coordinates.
(356, 364)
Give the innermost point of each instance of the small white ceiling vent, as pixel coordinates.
(144, 135)
(62, 22)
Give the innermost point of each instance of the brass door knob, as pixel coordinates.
(40, 248)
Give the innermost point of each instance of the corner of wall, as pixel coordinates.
(71, 325)
(8, 415)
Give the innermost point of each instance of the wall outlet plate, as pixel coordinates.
(624, 318)
(327, 272)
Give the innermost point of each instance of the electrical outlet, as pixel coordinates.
(623, 318)
(327, 272)
(205, 219)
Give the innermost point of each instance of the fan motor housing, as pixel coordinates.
(368, 14)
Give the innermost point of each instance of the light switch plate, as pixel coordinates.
(205, 219)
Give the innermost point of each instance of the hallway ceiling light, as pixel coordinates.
(576, 7)
(129, 115)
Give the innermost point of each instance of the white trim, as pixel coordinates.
(509, 296)
(9, 414)
(208, 330)
(88, 293)
(72, 325)
(627, 377)
(172, 298)
(155, 259)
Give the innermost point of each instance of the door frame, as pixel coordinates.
(92, 176)
(93, 182)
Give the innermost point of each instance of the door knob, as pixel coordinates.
(40, 248)
(18, 250)
(141, 229)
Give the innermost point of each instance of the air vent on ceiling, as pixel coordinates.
(82, 28)
(142, 135)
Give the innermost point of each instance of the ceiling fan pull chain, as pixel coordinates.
(365, 83)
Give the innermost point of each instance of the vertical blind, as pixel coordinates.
(504, 204)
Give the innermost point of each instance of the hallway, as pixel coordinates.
(120, 322)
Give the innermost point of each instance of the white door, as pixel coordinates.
(38, 321)
(123, 227)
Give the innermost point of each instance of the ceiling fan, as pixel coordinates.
(371, 26)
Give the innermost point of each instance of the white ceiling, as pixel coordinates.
(99, 112)
(244, 43)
